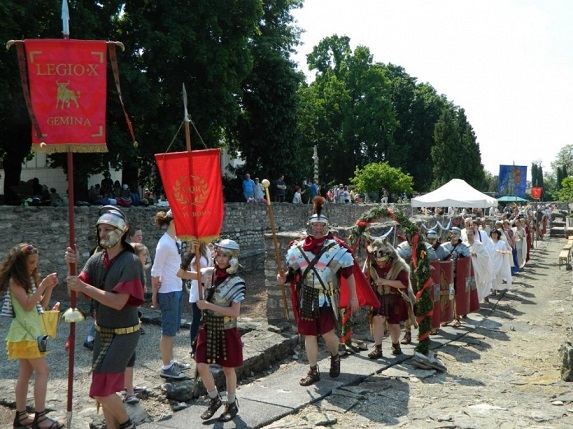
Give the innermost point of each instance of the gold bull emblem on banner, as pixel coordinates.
(65, 95)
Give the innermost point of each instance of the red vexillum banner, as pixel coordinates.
(194, 189)
(68, 89)
(536, 193)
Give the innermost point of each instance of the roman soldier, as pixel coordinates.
(389, 276)
(318, 265)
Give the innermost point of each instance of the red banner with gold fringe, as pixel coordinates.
(68, 87)
(194, 190)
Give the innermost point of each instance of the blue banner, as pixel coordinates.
(512, 180)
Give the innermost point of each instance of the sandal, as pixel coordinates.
(214, 405)
(312, 377)
(457, 324)
(396, 349)
(407, 338)
(230, 412)
(19, 420)
(376, 353)
(42, 416)
(128, 425)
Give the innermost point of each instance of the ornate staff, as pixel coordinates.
(315, 161)
(266, 185)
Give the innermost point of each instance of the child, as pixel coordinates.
(219, 340)
(29, 297)
(205, 260)
(130, 390)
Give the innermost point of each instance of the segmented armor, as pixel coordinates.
(319, 281)
(231, 289)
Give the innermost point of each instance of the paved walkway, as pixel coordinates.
(279, 394)
(277, 400)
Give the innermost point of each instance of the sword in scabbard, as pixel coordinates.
(266, 185)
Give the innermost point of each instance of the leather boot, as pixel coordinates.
(312, 377)
(334, 366)
(376, 353)
(407, 338)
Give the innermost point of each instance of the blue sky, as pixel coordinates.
(508, 63)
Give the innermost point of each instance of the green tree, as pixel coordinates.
(565, 194)
(380, 175)
(560, 177)
(550, 191)
(564, 158)
(539, 179)
(447, 151)
(417, 107)
(456, 153)
(346, 111)
(207, 46)
(267, 135)
(491, 181)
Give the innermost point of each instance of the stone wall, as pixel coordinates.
(248, 224)
(47, 228)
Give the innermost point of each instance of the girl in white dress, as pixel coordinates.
(501, 266)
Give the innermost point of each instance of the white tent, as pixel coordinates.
(455, 193)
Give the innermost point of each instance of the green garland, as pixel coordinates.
(422, 280)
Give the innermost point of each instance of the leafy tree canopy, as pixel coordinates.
(456, 153)
(244, 94)
(564, 158)
(380, 175)
(565, 194)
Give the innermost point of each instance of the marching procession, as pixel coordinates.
(473, 264)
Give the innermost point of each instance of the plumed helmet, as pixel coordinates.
(432, 234)
(231, 248)
(317, 217)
